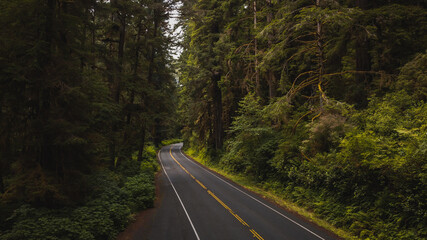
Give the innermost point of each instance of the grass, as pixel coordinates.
(270, 194)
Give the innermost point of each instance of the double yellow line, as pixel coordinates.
(254, 233)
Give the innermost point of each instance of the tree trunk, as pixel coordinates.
(362, 4)
(116, 89)
(51, 5)
(271, 79)
(363, 63)
(153, 49)
(217, 113)
(156, 132)
(120, 54)
(156, 127)
(257, 81)
(321, 60)
(44, 153)
(132, 92)
(1, 181)
(2, 153)
(142, 143)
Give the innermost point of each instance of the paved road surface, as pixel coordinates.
(197, 204)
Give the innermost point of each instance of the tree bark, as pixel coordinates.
(44, 153)
(321, 58)
(217, 112)
(151, 66)
(257, 80)
(362, 4)
(116, 89)
(2, 153)
(120, 54)
(1, 181)
(153, 48)
(142, 143)
(271, 79)
(135, 77)
(363, 63)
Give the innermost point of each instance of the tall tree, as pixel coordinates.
(207, 27)
(74, 91)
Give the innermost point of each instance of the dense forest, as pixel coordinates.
(320, 101)
(87, 93)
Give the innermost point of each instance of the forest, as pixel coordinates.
(87, 94)
(319, 101)
(322, 102)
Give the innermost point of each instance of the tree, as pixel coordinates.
(81, 82)
(206, 29)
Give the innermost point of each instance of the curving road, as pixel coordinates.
(198, 204)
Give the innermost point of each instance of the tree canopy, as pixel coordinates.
(84, 84)
(324, 100)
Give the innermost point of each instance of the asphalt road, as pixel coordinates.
(198, 204)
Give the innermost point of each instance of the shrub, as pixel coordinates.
(105, 213)
(141, 191)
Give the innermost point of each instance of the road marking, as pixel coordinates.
(201, 184)
(265, 205)
(255, 234)
(179, 198)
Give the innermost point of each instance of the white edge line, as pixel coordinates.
(265, 205)
(182, 204)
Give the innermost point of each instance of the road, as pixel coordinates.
(196, 203)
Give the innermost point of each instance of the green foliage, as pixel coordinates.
(149, 162)
(35, 224)
(79, 90)
(253, 142)
(105, 213)
(361, 170)
(397, 38)
(171, 141)
(83, 85)
(321, 101)
(413, 77)
(371, 182)
(141, 191)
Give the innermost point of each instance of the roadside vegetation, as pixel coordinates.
(171, 141)
(371, 183)
(322, 103)
(111, 199)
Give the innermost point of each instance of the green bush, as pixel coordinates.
(252, 144)
(361, 170)
(141, 191)
(105, 213)
(35, 224)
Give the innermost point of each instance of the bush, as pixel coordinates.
(141, 191)
(105, 213)
(361, 170)
(34, 224)
(252, 143)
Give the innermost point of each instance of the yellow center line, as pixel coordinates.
(255, 234)
(241, 220)
(201, 184)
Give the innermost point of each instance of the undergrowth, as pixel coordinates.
(107, 210)
(348, 220)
